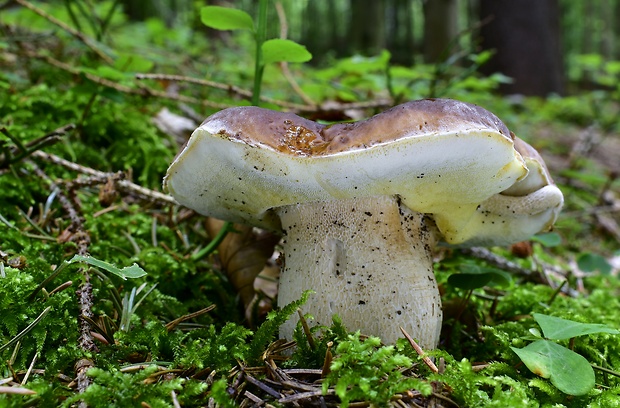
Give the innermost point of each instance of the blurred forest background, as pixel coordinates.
(544, 46)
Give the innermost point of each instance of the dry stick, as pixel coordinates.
(30, 367)
(284, 65)
(85, 291)
(145, 91)
(498, 261)
(175, 400)
(174, 323)
(142, 91)
(508, 266)
(229, 88)
(198, 81)
(419, 350)
(80, 36)
(123, 185)
(293, 107)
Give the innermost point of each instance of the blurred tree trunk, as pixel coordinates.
(526, 37)
(320, 33)
(440, 28)
(166, 10)
(367, 26)
(617, 29)
(588, 29)
(609, 20)
(138, 10)
(400, 41)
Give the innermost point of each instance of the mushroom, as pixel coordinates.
(361, 205)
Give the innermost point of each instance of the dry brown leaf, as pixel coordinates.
(243, 254)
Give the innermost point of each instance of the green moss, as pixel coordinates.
(114, 131)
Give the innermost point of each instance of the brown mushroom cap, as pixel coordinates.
(440, 156)
(293, 135)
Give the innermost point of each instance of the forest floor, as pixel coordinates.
(113, 295)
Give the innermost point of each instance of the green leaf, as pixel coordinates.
(110, 73)
(224, 18)
(469, 281)
(278, 50)
(568, 371)
(559, 329)
(133, 63)
(131, 272)
(589, 262)
(535, 332)
(474, 277)
(549, 239)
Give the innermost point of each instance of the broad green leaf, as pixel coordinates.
(549, 239)
(589, 262)
(469, 281)
(474, 277)
(559, 329)
(131, 272)
(133, 63)
(224, 18)
(278, 50)
(110, 73)
(568, 371)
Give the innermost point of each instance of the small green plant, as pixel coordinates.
(132, 272)
(591, 262)
(267, 51)
(568, 371)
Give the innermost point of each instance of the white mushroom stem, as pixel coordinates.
(368, 260)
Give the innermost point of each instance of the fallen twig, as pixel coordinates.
(19, 151)
(539, 276)
(284, 65)
(174, 323)
(123, 185)
(80, 36)
(420, 352)
(28, 328)
(85, 291)
(228, 88)
(142, 91)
